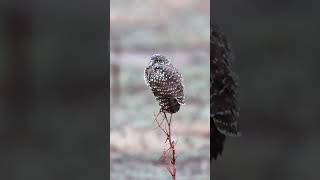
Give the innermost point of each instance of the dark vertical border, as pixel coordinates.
(211, 161)
(54, 90)
(108, 91)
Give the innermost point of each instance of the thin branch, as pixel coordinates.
(169, 155)
(159, 124)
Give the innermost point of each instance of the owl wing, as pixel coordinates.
(223, 85)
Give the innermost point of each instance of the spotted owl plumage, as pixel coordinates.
(165, 82)
(224, 109)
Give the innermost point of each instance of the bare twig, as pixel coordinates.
(168, 155)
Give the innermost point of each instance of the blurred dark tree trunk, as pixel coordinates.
(17, 86)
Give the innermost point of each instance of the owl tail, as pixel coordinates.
(173, 105)
(226, 124)
(216, 142)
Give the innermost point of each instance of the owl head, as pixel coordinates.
(158, 59)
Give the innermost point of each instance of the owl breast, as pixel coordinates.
(166, 85)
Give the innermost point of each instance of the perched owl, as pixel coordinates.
(165, 82)
(224, 110)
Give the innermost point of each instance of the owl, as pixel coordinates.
(165, 82)
(224, 109)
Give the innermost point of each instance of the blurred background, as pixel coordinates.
(277, 59)
(53, 110)
(180, 31)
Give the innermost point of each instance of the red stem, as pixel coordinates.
(171, 163)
